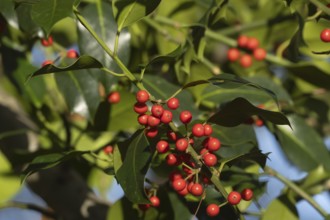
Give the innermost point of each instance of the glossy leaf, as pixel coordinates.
(136, 162)
(100, 18)
(122, 210)
(7, 10)
(281, 208)
(254, 155)
(239, 110)
(47, 13)
(180, 210)
(129, 11)
(305, 151)
(83, 62)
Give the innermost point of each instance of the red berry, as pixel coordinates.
(196, 189)
(213, 144)
(184, 191)
(190, 184)
(205, 142)
(234, 198)
(47, 62)
(140, 108)
(143, 119)
(252, 43)
(258, 122)
(171, 135)
(210, 159)
(208, 130)
(114, 97)
(153, 121)
(242, 41)
(166, 117)
(179, 184)
(144, 207)
(157, 110)
(181, 144)
(212, 210)
(185, 117)
(47, 42)
(259, 54)
(325, 35)
(174, 175)
(155, 202)
(206, 180)
(245, 61)
(247, 194)
(172, 160)
(198, 130)
(203, 152)
(191, 141)
(233, 54)
(142, 96)
(162, 146)
(72, 53)
(151, 132)
(108, 149)
(173, 103)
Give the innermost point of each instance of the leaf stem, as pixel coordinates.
(321, 6)
(295, 188)
(112, 73)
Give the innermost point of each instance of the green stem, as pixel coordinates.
(29, 206)
(296, 189)
(112, 73)
(115, 49)
(321, 6)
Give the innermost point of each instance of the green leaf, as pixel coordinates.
(303, 145)
(230, 81)
(127, 12)
(80, 91)
(50, 160)
(122, 210)
(239, 110)
(100, 18)
(136, 162)
(7, 10)
(281, 208)
(83, 62)
(254, 155)
(46, 13)
(180, 209)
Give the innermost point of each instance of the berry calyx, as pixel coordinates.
(151, 132)
(259, 54)
(173, 103)
(185, 117)
(162, 146)
(234, 198)
(325, 35)
(196, 189)
(47, 42)
(247, 194)
(140, 108)
(242, 41)
(210, 159)
(181, 144)
(208, 130)
(172, 160)
(233, 54)
(71, 54)
(253, 43)
(245, 61)
(213, 144)
(157, 110)
(155, 202)
(179, 184)
(142, 96)
(198, 130)
(47, 62)
(114, 97)
(143, 119)
(108, 149)
(153, 121)
(212, 210)
(166, 117)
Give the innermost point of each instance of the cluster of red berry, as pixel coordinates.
(71, 53)
(325, 35)
(250, 44)
(187, 177)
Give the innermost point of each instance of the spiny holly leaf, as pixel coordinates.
(231, 81)
(254, 155)
(129, 11)
(83, 62)
(281, 208)
(50, 160)
(47, 12)
(239, 110)
(135, 164)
